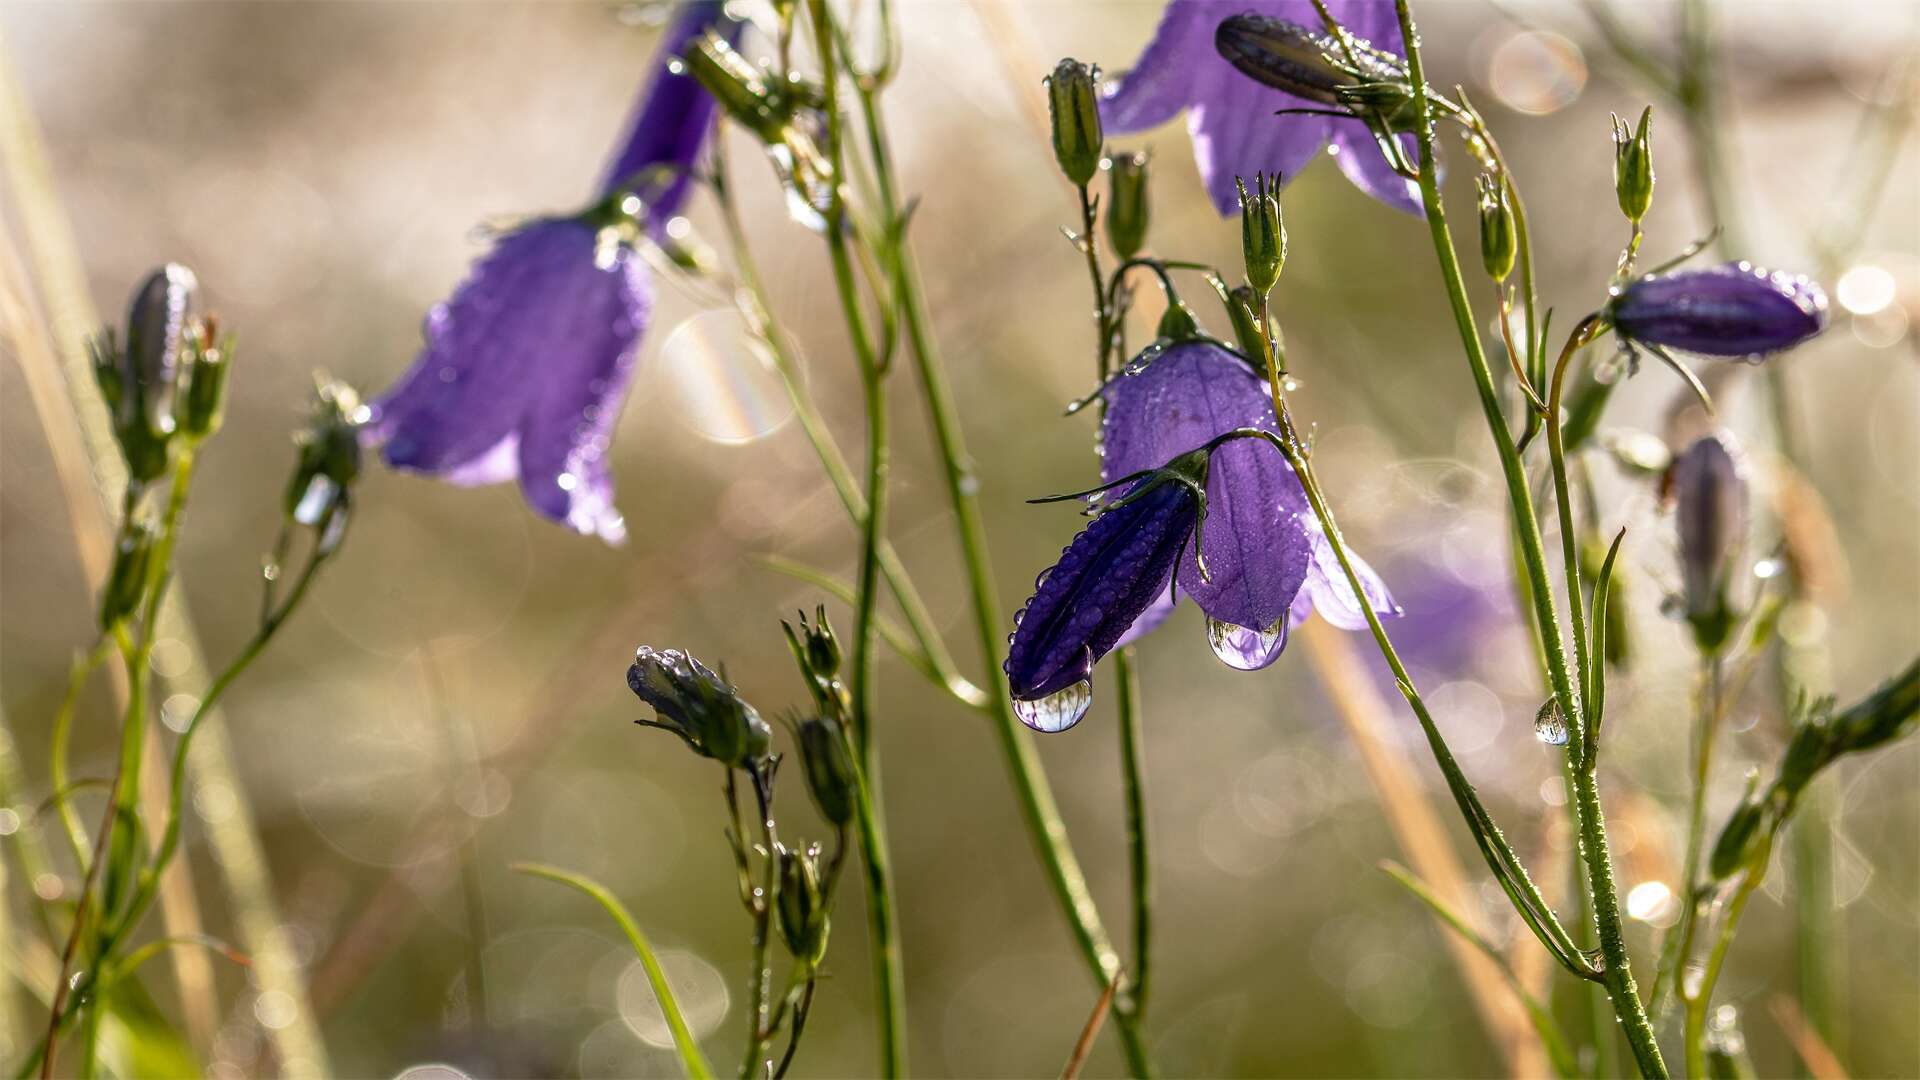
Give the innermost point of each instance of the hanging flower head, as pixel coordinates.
(524, 369)
(1231, 116)
(1261, 564)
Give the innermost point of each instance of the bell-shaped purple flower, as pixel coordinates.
(1231, 117)
(523, 371)
(1104, 580)
(1735, 310)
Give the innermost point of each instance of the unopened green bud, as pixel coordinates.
(802, 901)
(1497, 246)
(737, 85)
(203, 397)
(1073, 100)
(1743, 842)
(1633, 165)
(127, 580)
(827, 761)
(1263, 235)
(1243, 310)
(319, 494)
(1127, 208)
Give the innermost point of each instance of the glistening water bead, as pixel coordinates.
(1549, 725)
(1057, 711)
(1243, 649)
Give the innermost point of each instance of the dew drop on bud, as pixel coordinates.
(1549, 725)
(1057, 711)
(1243, 649)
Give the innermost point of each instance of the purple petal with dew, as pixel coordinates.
(1104, 580)
(1255, 549)
(1157, 612)
(1160, 83)
(1328, 591)
(673, 118)
(531, 357)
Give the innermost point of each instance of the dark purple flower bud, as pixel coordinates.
(1734, 310)
(699, 706)
(1104, 580)
(1232, 117)
(1709, 487)
(156, 334)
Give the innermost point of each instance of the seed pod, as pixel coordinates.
(827, 762)
(1263, 234)
(1073, 102)
(1497, 244)
(803, 904)
(1633, 165)
(1127, 207)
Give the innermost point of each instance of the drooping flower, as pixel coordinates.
(1231, 117)
(524, 369)
(1267, 563)
(1735, 310)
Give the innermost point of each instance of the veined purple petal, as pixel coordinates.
(523, 371)
(673, 117)
(1104, 580)
(1734, 310)
(1328, 591)
(1231, 117)
(1254, 541)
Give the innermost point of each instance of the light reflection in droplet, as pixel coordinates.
(1653, 902)
(697, 985)
(723, 380)
(1537, 72)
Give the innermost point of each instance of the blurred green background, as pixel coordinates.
(455, 688)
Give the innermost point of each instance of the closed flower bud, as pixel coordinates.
(802, 903)
(1497, 246)
(827, 762)
(319, 493)
(127, 581)
(1073, 101)
(1735, 310)
(1127, 208)
(1743, 842)
(1263, 235)
(1710, 496)
(1284, 55)
(156, 334)
(1633, 165)
(203, 397)
(699, 706)
(1243, 310)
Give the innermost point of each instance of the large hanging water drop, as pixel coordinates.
(1243, 649)
(1057, 711)
(1549, 725)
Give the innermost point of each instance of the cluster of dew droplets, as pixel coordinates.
(1057, 711)
(1550, 725)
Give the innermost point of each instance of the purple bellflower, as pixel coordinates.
(1262, 564)
(524, 369)
(1231, 117)
(1734, 310)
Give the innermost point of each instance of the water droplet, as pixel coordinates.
(1058, 711)
(1549, 726)
(1289, 384)
(1596, 958)
(1609, 370)
(1244, 649)
(1766, 569)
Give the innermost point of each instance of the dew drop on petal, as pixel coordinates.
(1549, 726)
(1243, 649)
(1058, 711)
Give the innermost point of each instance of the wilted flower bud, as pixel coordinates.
(827, 762)
(1633, 165)
(1497, 246)
(1127, 207)
(319, 493)
(1733, 310)
(803, 904)
(1073, 100)
(127, 581)
(1263, 235)
(1709, 488)
(203, 397)
(1243, 310)
(699, 706)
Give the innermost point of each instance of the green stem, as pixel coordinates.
(1586, 801)
(1139, 867)
(83, 668)
(760, 985)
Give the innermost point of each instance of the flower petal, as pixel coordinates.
(1253, 542)
(1361, 159)
(1160, 83)
(1328, 591)
(1105, 579)
(1165, 599)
